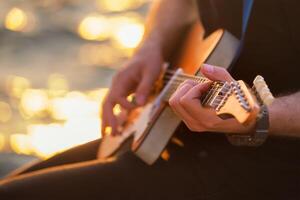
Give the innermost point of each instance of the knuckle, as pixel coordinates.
(185, 83)
(208, 125)
(172, 102)
(183, 101)
(190, 82)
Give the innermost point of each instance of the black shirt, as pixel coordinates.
(271, 45)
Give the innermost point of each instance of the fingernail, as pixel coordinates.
(141, 100)
(208, 68)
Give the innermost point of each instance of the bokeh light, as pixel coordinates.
(118, 5)
(57, 85)
(94, 27)
(34, 101)
(20, 143)
(127, 31)
(73, 105)
(16, 86)
(16, 19)
(44, 107)
(129, 35)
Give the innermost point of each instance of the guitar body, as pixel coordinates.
(149, 128)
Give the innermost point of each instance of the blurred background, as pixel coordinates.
(57, 58)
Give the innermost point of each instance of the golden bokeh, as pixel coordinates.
(34, 102)
(97, 94)
(42, 121)
(129, 35)
(46, 140)
(57, 85)
(73, 105)
(127, 31)
(17, 85)
(16, 19)
(20, 143)
(49, 139)
(118, 5)
(94, 27)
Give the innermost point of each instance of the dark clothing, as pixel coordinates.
(271, 45)
(207, 167)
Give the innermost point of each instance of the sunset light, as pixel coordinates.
(118, 5)
(57, 67)
(16, 20)
(129, 35)
(94, 27)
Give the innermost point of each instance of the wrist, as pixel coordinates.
(259, 134)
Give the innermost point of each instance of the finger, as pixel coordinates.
(108, 119)
(216, 73)
(190, 101)
(174, 101)
(143, 90)
(196, 91)
(125, 103)
(190, 82)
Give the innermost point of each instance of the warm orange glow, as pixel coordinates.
(73, 105)
(45, 140)
(20, 144)
(48, 120)
(57, 85)
(49, 139)
(130, 35)
(16, 20)
(81, 123)
(94, 27)
(127, 31)
(118, 5)
(117, 109)
(16, 85)
(34, 101)
(98, 94)
(165, 155)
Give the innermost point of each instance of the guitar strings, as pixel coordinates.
(212, 97)
(181, 77)
(178, 81)
(174, 86)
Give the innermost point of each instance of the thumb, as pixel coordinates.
(215, 73)
(143, 90)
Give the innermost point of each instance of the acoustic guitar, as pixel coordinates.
(148, 129)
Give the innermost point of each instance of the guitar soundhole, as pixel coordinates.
(225, 116)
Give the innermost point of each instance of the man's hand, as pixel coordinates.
(186, 104)
(137, 76)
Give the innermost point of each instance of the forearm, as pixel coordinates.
(165, 23)
(285, 116)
